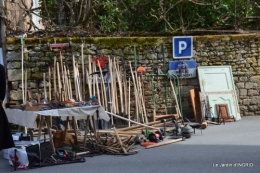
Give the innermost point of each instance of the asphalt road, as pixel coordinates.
(229, 148)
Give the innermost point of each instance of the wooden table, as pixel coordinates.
(28, 118)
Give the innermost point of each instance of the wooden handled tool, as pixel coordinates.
(75, 77)
(176, 100)
(132, 121)
(49, 75)
(104, 87)
(83, 74)
(80, 154)
(119, 140)
(54, 79)
(165, 143)
(135, 92)
(59, 82)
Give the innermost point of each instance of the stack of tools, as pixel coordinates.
(118, 145)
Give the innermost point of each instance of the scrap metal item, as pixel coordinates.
(155, 136)
(186, 131)
(139, 138)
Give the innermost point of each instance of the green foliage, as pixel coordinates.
(109, 17)
(115, 16)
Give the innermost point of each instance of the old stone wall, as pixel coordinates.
(241, 52)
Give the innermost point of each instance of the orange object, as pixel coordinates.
(140, 70)
(195, 100)
(102, 61)
(145, 144)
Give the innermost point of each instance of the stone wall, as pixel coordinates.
(242, 52)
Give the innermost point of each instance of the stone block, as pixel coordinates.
(242, 79)
(252, 108)
(255, 100)
(13, 48)
(13, 56)
(243, 92)
(252, 92)
(243, 97)
(240, 85)
(258, 62)
(242, 108)
(14, 74)
(13, 65)
(37, 54)
(246, 101)
(15, 95)
(249, 85)
(235, 79)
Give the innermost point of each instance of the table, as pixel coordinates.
(20, 117)
(27, 118)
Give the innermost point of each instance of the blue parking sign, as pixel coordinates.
(182, 47)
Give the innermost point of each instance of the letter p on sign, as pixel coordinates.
(182, 47)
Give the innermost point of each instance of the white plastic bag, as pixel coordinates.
(20, 159)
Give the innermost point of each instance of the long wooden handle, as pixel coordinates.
(129, 116)
(119, 140)
(44, 86)
(132, 121)
(81, 153)
(70, 87)
(59, 82)
(75, 77)
(119, 85)
(112, 98)
(54, 79)
(164, 143)
(104, 87)
(175, 97)
(24, 101)
(142, 100)
(97, 86)
(89, 78)
(25, 85)
(78, 82)
(49, 75)
(138, 97)
(135, 92)
(83, 73)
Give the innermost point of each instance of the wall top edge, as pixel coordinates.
(129, 40)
